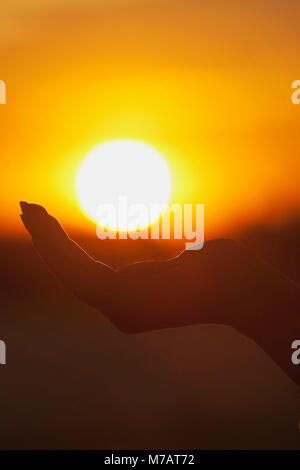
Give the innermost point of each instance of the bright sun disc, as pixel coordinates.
(123, 170)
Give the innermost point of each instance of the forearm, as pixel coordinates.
(277, 327)
(277, 338)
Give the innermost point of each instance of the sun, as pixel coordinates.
(123, 184)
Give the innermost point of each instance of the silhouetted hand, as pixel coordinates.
(223, 283)
(39, 223)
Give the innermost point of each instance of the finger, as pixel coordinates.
(23, 206)
(26, 225)
(35, 218)
(39, 223)
(34, 209)
(37, 209)
(54, 229)
(30, 223)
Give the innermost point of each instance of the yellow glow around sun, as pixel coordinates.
(123, 184)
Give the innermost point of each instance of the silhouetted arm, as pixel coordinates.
(126, 297)
(222, 283)
(276, 336)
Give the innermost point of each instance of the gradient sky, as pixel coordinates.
(207, 83)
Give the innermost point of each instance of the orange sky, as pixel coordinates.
(207, 83)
